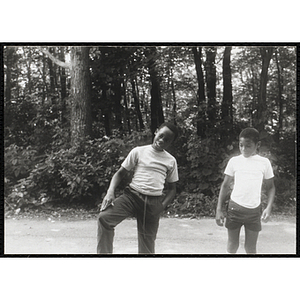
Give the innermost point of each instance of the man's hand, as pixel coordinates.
(107, 201)
(219, 217)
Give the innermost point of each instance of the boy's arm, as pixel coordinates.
(225, 187)
(115, 181)
(271, 196)
(170, 194)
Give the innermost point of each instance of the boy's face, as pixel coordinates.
(163, 138)
(248, 147)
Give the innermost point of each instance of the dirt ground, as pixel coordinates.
(175, 236)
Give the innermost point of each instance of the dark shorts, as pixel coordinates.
(238, 215)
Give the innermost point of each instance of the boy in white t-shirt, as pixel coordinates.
(143, 198)
(248, 171)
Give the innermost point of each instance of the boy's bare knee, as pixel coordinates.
(232, 246)
(233, 240)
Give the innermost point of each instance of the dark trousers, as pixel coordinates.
(131, 203)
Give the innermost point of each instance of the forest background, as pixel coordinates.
(72, 113)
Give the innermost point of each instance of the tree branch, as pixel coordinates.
(56, 60)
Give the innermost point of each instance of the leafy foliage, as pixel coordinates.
(71, 174)
(207, 161)
(40, 166)
(192, 205)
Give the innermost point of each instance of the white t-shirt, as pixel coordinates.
(248, 177)
(152, 169)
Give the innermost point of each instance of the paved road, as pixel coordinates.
(175, 236)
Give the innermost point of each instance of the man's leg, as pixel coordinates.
(250, 241)
(109, 219)
(233, 240)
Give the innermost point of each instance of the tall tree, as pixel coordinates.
(63, 85)
(9, 53)
(8, 80)
(261, 119)
(201, 118)
(137, 104)
(28, 67)
(81, 125)
(279, 98)
(126, 110)
(45, 91)
(210, 69)
(174, 111)
(117, 107)
(226, 106)
(157, 116)
(52, 73)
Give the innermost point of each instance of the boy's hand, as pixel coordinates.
(107, 201)
(219, 217)
(266, 215)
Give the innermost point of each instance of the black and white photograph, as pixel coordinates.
(89, 90)
(150, 149)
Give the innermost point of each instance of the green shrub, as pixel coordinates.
(71, 174)
(193, 205)
(207, 161)
(18, 163)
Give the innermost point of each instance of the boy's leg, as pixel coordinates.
(233, 224)
(250, 240)
(147, 223)
(233, 240)
(147, 235)
(109, 219)
(252, 229)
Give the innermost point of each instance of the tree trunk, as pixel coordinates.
(80, 85)
(144, 103)
(261, 119)
(9, 62)
(226, 106)
(157, 117)
(174, 111)
(45, 88)
(254, 93)
(201, 118)
(279, 99)
(211, 84)
(52, 73)
(63, 84)
(81, 125)
(137, 105)
(117, 103)
(126, 114)
(106, 111)
(29, 83)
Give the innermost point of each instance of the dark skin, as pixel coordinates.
(162, 140)
(247, 148)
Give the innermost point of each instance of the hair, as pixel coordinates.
(172, 127)
(250, 133)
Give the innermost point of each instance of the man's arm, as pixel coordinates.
(170, 194)
(115, 181)
(271, 196)
(225, 187)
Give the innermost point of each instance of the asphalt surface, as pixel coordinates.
(175, 236)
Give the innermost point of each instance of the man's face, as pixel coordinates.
(247, 147)
(163, 139)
